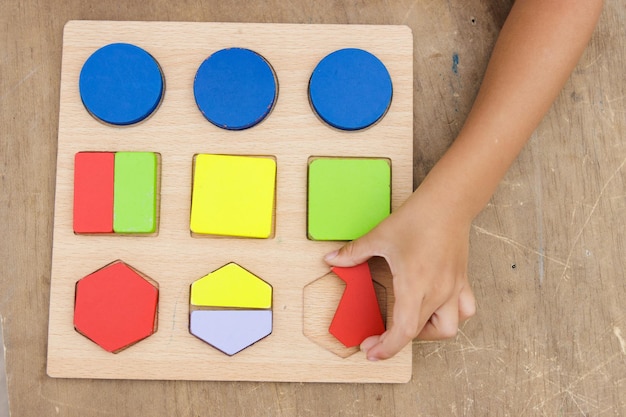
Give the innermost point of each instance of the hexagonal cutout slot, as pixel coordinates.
(116, 306)
(230, 309)
(321, 299)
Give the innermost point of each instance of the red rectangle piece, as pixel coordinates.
(93, 192)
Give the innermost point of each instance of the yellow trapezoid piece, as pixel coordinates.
(231, 286)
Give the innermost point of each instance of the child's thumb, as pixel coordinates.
(352, 253)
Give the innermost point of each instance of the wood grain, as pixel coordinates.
(548, 338)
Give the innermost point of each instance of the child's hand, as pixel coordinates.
(426, 248)
(425, 241)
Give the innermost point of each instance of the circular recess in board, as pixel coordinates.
(235, 88)
(121, 84)
(350, 89)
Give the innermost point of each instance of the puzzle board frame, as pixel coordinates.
(173, 258)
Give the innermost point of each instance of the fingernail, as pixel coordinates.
(368, 343)
(331, 255)
(372, 358)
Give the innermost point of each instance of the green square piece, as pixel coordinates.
(135, 192)
(347, 197)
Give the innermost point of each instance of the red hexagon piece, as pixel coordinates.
(115, 307)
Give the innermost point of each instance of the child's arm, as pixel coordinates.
(426, 240)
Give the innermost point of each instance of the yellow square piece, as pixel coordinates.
(233, 195)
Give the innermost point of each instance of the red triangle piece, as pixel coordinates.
(358, 314)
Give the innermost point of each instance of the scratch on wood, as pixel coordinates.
(19, 83)
(180, 292)
(4, 393)
(593, 209)
(517, 245)
(569, 388)
(409, 11)
(622, 343)
(594, 62)
(539, 219)
(57, 404)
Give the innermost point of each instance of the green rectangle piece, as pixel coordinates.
(135, 192)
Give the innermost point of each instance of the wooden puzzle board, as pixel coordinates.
(177, 131)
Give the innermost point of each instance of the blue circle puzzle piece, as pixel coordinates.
(350, 89)
(235, 88)
(121, 84)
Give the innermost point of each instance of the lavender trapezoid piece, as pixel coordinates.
(231, 330)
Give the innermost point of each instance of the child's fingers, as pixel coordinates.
(403, 330)
(444, 323)
(467, 303)
(389, 343)
(352, 253)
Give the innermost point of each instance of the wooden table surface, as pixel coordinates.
(547, 255)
